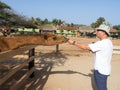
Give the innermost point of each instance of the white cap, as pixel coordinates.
(105, 28)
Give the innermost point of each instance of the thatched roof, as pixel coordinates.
(48, 27)
(68, 28)
(86, 29)
(113, 31)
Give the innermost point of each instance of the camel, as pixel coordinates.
(10, 43)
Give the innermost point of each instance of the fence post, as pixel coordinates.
(57, 47)
(31, 64)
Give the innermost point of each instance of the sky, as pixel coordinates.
(83, 12)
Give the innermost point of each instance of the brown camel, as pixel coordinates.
(10, 43)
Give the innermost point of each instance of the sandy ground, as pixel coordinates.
(69, 69)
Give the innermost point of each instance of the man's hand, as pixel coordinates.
(71, 42)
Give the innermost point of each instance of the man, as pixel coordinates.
(103, 50)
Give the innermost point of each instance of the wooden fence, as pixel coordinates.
(15, 69)
(29, 62)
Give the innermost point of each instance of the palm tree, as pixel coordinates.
(4, 12)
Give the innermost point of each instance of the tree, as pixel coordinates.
(45, 21)
(57, 22)
(4, 13)
(117, 27)
(99, 21)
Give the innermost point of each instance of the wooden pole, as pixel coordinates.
(31, 64)
(57, 48)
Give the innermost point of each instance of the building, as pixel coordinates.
(47, 28)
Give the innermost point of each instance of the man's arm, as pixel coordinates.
(85, 47)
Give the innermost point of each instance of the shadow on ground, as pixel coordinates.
(44, 64)
(47, 62)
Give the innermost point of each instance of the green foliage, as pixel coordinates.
(99, 21)
(57, 22)
(4, 12)
(9, 18)
(3, 6)
(117, 27)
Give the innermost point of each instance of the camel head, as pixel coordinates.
(53, 39)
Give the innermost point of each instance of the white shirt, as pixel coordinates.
(103, 50)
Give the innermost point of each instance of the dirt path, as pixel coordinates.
(69, 69)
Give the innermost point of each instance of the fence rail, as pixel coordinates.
(15, 69)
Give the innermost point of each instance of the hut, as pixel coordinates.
(87, 31)
(114, 33)
(47, 28)
(68, 30)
